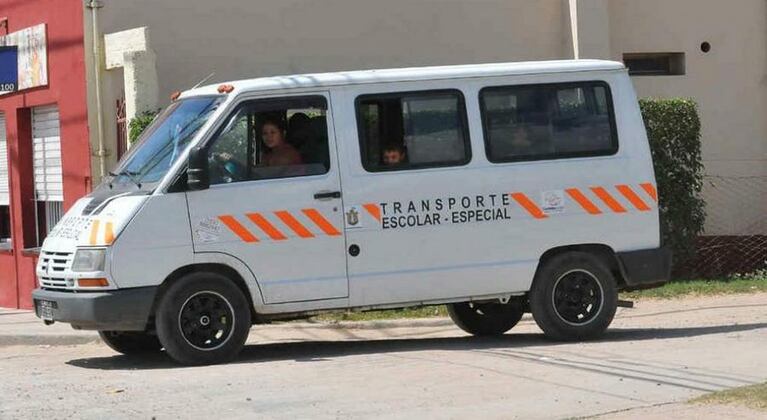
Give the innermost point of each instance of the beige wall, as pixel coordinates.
(249, 38)
(729, 83)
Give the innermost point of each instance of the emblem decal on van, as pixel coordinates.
(70, 227)
(553, 202)
(353, 217)
(208, 230)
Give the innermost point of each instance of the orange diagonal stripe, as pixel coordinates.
(267, 227)
(94, 232)
(373, 210)
(608, 199)
(650, 190)
(294, 224)
(109, 233)
(581, 199)
(321, 222)
(632, 197)
(237, 228)
(531, 208)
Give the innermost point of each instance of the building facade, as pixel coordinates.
(44, 135)
(107, 61)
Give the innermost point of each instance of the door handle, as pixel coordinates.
(327, 195)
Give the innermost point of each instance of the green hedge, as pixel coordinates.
(138, 124)
(673, 128)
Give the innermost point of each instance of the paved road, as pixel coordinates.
(657, 353)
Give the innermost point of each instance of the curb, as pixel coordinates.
(378, 324)
(371, 325)
(46, 340)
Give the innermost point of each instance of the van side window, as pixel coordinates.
(271, 138)
(552, 121)
(412, 130)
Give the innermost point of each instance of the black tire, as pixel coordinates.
(203, 318)
(574, 297)
(486, 318)
(131, 343)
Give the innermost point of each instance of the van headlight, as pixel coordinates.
(89, 260)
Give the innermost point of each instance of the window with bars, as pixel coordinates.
(46, 163)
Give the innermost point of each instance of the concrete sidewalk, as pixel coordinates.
(20, 327)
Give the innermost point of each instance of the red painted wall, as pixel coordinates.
(66, 88)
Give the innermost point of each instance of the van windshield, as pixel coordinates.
(165, 140)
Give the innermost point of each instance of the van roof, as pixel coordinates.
(298, 81)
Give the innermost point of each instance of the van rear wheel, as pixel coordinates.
(203, 318)
(574, 297)
(131, 342)
(490, 318)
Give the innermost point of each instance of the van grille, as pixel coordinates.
(54, 264)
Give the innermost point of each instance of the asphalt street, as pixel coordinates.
(655, 355)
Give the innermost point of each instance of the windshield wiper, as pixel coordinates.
(130, 174)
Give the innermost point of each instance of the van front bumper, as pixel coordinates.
(645, 268)
(113, 310)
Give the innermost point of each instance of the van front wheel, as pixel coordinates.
(486, 318)
(574, 297)
(203, 318)
(131, 342)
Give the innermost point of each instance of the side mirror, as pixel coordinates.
(197, 174)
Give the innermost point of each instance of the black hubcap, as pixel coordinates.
(206, 320)
(577, 297)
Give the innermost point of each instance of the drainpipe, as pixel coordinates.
(94, 5)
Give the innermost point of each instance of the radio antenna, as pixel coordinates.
(203, 80)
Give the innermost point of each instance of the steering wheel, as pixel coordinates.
(227, 170)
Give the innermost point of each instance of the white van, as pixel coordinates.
(495, 189)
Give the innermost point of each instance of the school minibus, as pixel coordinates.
(495, 189)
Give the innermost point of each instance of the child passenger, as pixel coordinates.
(394, 154)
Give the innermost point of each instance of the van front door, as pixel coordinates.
(274, 200)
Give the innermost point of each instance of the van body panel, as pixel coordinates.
(155, 243)
(271, 225)
(97, 227)
(242, 269)
(439, 260)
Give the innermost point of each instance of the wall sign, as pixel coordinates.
(9, 69)
(32, 68)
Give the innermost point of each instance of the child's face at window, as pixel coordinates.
(392, 157)
(520, 138)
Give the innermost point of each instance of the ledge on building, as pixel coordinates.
(31, 252)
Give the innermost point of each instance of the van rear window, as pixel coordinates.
(552, 121)
(412, 130)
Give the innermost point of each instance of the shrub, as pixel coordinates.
(673, 128)
(138, 124)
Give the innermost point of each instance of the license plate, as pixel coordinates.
(45, 309)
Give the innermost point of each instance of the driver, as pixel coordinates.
(278, 151)
(280, 155)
